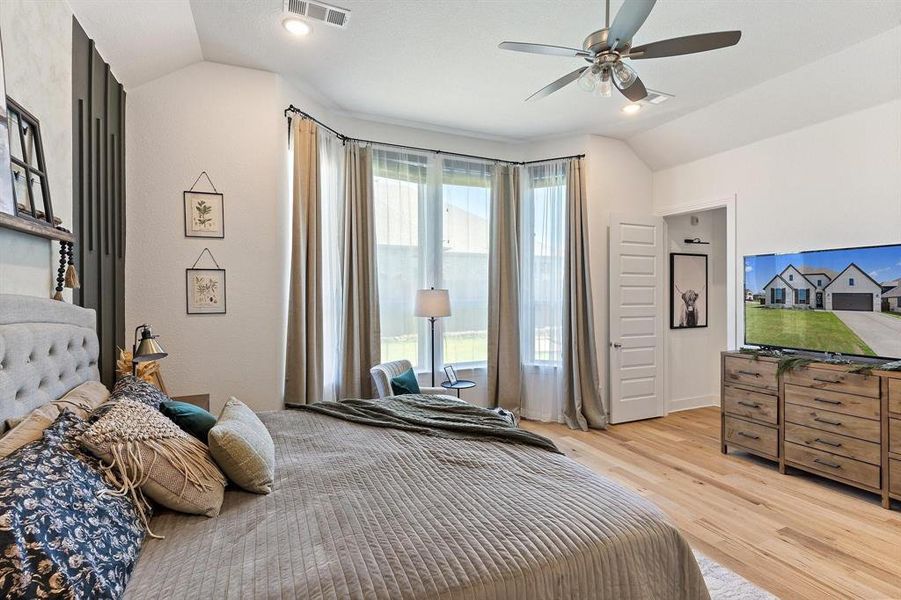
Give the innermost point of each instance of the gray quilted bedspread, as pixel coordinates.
(368, 512)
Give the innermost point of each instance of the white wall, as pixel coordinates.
(226, 121)
(841, 179)
(692, 355)
(37, 60)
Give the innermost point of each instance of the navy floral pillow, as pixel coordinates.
(138, 389)
(62, 535)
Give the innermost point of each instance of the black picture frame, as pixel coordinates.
(193, 308)
(188, 210)
(686, 313)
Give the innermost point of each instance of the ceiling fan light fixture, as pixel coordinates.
(296, 27)
(623, 75)
(590, 78)
(605, 86)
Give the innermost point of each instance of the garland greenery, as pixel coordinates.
(790, 363)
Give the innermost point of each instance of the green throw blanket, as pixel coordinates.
(431, 415)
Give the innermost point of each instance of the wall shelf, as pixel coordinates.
(33, 227)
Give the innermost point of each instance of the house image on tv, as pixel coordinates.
(893, 298)
(851, 289)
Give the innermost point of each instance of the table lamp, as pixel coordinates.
(432, 303)
(147, 349)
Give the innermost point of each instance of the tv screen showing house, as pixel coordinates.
(844, 301)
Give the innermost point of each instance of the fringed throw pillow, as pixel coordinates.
(146, 453)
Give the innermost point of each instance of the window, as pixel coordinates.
(432, 229)
(542, 247)
(791, 277)
(851, 281)
(819, 283)
(804, 296)
(777, 295)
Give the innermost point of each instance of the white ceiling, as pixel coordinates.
(436, 63)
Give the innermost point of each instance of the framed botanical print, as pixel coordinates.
(204, 215)
(205, 291)
(688, 290)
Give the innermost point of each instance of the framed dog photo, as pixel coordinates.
(688, 290)
(205, 291)
(204, 215)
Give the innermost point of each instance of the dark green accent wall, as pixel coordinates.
(98, 194)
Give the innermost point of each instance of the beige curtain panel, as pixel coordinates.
(303, 356)
(504, 365)
(583, 406)
(360, 347)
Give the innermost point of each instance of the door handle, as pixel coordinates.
(616, 345)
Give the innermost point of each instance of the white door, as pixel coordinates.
(636, 318)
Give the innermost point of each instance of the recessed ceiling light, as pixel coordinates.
(296, 27)
(631, 109)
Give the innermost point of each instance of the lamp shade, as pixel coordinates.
(149, 349)
(432, 303)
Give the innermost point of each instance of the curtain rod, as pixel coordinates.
(345, 138)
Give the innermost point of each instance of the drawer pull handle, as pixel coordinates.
(749, 373)
(826, 463)
(827, 401)
(827, 380)
(828, 421)
(749, 404)
(828, 443)
(749, 435)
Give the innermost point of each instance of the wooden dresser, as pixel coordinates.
(819, 418)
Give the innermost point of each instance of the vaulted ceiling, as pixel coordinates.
(436, 63)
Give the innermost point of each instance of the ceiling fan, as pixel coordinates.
(606, 49)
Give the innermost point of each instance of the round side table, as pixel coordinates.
(460, 384)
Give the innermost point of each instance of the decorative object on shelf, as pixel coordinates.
(66, 275)
(432, 303)
(148, 371)
(204, 211)
(7, 199)
(147, 349)
(31, 192)
(688, 290)
(205, 288)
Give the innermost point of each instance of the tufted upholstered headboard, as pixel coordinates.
(46, 349)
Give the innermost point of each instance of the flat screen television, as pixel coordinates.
(844, 301)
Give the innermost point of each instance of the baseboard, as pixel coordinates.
(695, 402)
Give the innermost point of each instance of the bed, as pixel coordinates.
(368, 512)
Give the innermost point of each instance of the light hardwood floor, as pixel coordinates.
(796, 535)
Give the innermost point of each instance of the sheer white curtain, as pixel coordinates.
(543, 245)
(331, 169)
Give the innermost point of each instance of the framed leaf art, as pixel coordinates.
(205, 288)
(204, 211)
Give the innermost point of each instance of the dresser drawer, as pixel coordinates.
(836, 466)
(753, 436)
(894, 477)
(834, 443)
(747, 371)
(750, 404)
(846, 404)
(894, 436)
(894, 396)
(825, 420)
(836, 381)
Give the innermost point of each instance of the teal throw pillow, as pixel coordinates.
(191, 419)
(405, 383)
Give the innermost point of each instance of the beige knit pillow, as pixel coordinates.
(147, 453)
(242, 447)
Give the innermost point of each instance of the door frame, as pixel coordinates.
(735, 317)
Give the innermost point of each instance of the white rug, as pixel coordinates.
(724, 584)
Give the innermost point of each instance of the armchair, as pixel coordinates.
(382, 374)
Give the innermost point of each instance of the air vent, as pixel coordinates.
(318, 11)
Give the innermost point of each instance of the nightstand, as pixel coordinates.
(201, 400)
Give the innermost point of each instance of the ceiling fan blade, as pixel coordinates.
(634, 92)
(544, 49)
(553, 87)
(631, 16)
(689, 44)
